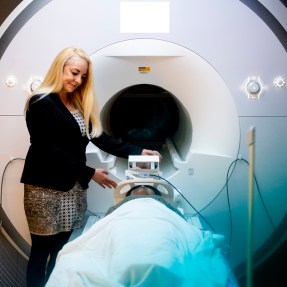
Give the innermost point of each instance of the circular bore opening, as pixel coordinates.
(144, 115)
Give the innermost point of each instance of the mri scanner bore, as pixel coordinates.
(203, 82)
(145, 115)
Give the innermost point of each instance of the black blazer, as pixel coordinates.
(56, 158)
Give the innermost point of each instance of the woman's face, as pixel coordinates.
(74, 72)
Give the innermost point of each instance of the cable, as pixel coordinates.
(228, 177)
(226, 182)
(228, 200)
(1, 189)
(262, 200)
(227, 195)
(1, 199)
(197, 212)
(260, 195)
(3, 174)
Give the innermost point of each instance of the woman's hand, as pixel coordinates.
(151, 152)
(101, 177)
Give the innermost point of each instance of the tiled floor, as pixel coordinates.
(12, 265)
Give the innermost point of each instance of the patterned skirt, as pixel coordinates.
(51, 211)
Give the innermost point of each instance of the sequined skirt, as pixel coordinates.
(51, 211)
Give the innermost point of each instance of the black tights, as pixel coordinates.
(43, 247)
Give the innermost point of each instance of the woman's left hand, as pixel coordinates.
(151, 152)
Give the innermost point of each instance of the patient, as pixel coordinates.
(142, 191)
(143, 243)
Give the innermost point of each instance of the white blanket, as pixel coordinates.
(142, 243)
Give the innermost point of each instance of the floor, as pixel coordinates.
(12, 265)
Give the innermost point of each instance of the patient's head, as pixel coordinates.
(143, 190)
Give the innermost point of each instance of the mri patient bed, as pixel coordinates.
(143, 241)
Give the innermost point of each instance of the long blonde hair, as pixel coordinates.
(83, 97)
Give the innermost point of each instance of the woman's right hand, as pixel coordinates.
(101, 177)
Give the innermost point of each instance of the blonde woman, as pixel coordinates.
(62, 117)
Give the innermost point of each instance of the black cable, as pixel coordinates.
(1, 193)
(1, 189)
(3, 174)
(228, 199)
(197, 212)
(91, 212)
(227, 194)
(95, 214)
(264, 205)
(222, 187)
(260, 195)
(1, 198)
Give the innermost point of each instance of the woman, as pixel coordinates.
(62, 117)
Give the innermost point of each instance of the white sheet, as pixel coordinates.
(143, 244)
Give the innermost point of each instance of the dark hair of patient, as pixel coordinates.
(155, 190)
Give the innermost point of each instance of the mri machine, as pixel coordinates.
(212, 72)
